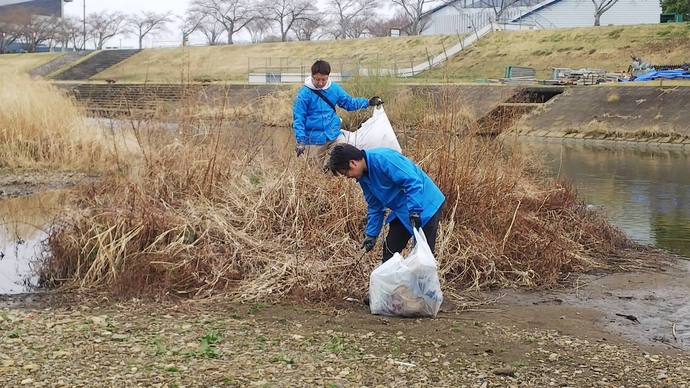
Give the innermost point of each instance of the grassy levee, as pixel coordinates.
(233, 62)
(212, 205)
(606, 47)
(23, 63)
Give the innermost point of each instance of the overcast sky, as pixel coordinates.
(178, 7)
(76, 8)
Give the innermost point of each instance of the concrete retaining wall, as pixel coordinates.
(626, 109)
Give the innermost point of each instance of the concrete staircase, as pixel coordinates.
(95, 64)
(57, 63)
(111, 100)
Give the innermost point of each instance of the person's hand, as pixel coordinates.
(415, 220)
(369, 243)
(375, 101)
(299, 148)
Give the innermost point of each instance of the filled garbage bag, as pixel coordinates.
(376, 132)
(407, 287)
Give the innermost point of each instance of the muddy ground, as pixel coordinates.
(15, 183)
(566, 337)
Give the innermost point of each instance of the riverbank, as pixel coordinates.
(540, 340)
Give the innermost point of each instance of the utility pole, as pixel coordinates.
(84, 24)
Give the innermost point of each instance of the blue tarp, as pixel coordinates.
(665, 74)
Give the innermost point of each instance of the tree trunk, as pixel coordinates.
(597, 16)
(141, 39)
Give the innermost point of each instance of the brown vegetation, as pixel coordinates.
(41, 127)
(228, 210)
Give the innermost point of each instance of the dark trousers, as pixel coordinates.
(398, 235)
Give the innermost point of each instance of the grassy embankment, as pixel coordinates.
(605, 47)
(234, 62)
(226, 210)
(22, 63)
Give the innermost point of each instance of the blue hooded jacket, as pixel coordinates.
(313, 120)
(393, 181)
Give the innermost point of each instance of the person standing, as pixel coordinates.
(316, 123)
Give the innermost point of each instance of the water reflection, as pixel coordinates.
(23, 223)
(646, 192)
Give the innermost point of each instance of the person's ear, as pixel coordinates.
(353, 164)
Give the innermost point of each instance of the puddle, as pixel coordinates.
(23, 223)
(660, 302)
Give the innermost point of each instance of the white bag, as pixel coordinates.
(374, 133)
(407, 287)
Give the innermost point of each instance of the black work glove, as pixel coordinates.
(369, 243)
(299, 148)
(375, 101)
(415, 220)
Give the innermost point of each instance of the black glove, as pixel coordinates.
(369, 243)
(375, 101)
(415, 220)
(299, 148)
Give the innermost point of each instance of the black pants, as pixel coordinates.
(398, 235)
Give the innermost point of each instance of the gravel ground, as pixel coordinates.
(204, 345)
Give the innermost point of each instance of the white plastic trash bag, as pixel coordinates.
(407, 287)
(374, 133)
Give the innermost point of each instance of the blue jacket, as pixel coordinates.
(314, 121)
(393, 181)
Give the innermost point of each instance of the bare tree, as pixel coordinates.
(497, 6)
(347, 12)
(11, 25)
(601, 6)
(258, 28)
(286, 12)
(414, 11)
(358, 28)
(38, 30)
(75, 34)
(307, 29)
(149, 23)
(188, 24)
(380, 28)
(212, 30)
(103, 26)
(234, 15)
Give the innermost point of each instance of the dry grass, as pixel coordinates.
(40, 127)
(231, 210)
(21, 63)
(232, 63)
(605, 47)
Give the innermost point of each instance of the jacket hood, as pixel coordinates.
(310, 84)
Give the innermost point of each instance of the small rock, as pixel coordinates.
(30, 367)
(504, 371)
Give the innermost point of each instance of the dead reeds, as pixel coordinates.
(233, 212)
(41, 127)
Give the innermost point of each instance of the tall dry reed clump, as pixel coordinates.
(227, 211)
(42, 127)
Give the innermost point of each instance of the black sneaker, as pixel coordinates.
(365, 300)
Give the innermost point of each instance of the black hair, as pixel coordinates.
(340, 157)
(321, 67)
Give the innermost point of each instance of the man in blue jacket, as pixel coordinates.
(315, 121)
(390, 180)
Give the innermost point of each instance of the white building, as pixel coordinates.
(462, 16)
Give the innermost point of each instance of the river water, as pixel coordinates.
(644, 191)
